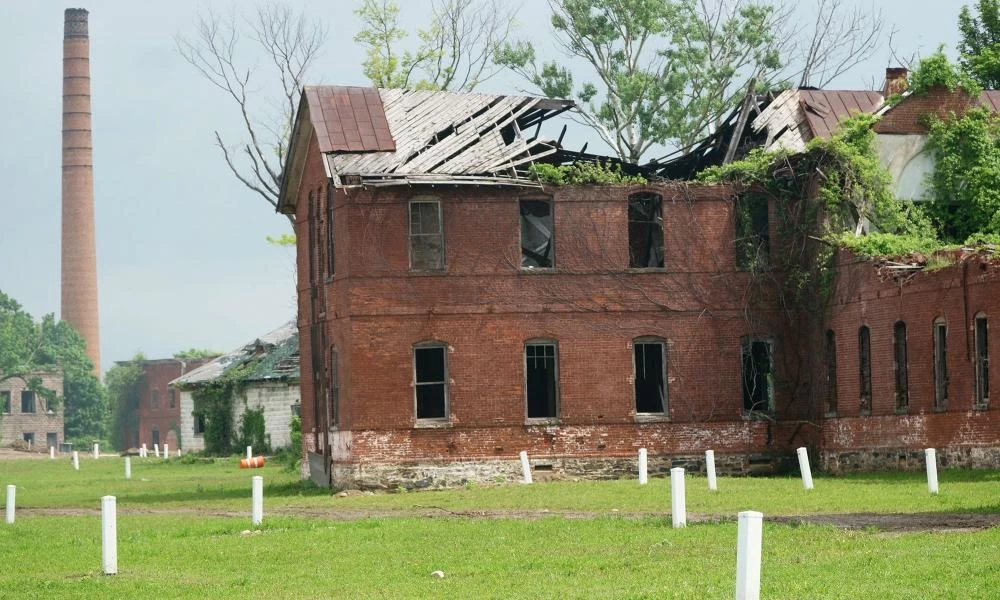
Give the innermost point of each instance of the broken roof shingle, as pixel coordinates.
(798, 115)
(271, 357)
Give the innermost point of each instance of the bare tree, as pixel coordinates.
(841, 38)
(289, 43)
(455, 52)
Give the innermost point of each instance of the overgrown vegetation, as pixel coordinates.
(196, 353)
(252, 431)
(938, 71)
(123, 381)
(583, 173)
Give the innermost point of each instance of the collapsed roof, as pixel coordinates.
(271, 357)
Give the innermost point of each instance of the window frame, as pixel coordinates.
(981, 355)
(664, 368)
(940, 354)
(5, 402)
(558, 392)
(901, 372)
(410, 236)
(171, 398)
(830, 365)
(431, 421)
(658, 221)
(746, 344)
(865, 383)
(34, 402)
(334, 388)
(331, 245)
(520, 232)
(760, 240)
(154, 399)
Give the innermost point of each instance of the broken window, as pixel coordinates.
(199, 423)
(155, 399)
(830, 358)
(982, 362)
(330, 261)
(537, 234)
(901, 365)
(650, 376)
(541, 380)
(334, 389)
(430, 374)
(27, 401)
(29, 437)
(645, 231)
(5, 402)
(758, 374)
(426, 236)
(155, 434)
(51, 439)
(172, 403)
(752, 232)
(865, 368)
(940, 364)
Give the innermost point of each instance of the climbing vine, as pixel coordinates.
(583, 173)
(213, 403)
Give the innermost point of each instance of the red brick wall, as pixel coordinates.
(157, 374)
(910, 115)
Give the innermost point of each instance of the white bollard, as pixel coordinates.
(178, 453)
(97, 451)
(128, 467)
(710, 470)
(807, 478)
(156, 450)
(678, 508)
(257, 514)
(142, 451)
(76, 460)
(52, 452)
(109, 535)
(249, 452)
(930, 455)
(748, 538)
(525, 468)
(166, 451)
(643, 475)
(11, 492)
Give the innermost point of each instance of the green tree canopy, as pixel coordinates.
(195, 353)
(123, 381)
(980, 42)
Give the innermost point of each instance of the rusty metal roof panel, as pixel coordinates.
(798, 115)
(991, 99)
(434, 133)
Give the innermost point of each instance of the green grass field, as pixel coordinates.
(180, 532)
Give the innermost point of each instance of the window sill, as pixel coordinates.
(902, 410)
(645, 269)
(983, 406)
(652, 418)
(758, 415)
(538, 270)
(432, 424)
(830, 415)
(541, 421)
(864, 413)
(940, 409)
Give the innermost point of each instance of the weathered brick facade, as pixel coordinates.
(157, 419)
(44, 427)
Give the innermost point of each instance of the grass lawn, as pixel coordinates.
(166, 553)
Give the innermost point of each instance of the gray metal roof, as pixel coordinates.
(273, 356)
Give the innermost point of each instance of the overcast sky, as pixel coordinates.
(182, 256)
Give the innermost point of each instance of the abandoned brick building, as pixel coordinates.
(454, 311)
(25, 414)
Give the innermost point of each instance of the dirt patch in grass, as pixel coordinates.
(899, 522)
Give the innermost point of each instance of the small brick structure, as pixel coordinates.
(368, 305)
(25, 414)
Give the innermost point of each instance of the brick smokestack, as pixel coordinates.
(79, 252)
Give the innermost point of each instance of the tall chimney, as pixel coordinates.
(79, 252)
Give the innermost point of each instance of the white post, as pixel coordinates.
(109, 535)
(156, 450)
(128, 467)
(142, 451)
(643, 475)
(11, 492)
(97, 450)
(678, 509)
(807, 478)
(525, 468)
(710, 470)
(52, 452)
(178, 453)
(76, 460)
(257, 515)
(166, 451)
(748, 539)
(249, 452)
(930, 455)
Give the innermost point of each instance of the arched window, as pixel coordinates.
(865, 364)
(982, 361)
(940, 364)
(901, 366)
(430, 380)
(541, 379)
(649, 356)
(645, 230)
(830, 358)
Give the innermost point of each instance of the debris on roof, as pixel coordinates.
(271, 357)
(799, 115)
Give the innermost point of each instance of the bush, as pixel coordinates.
(252, 432)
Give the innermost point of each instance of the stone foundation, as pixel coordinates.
(907, 459)
(443, 474)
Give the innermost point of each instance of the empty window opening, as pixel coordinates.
(27, 401)
(830, 358)
(940, 364)
(426, 236)
(645, 231)
(982, 361)
(541, 380)
(154, 401)
(650, 377)
(172, 402)
(865, 368)
(758, 375)
(29, 437)
(752, 232)
(334, 389)
(537, 234)
(901, 365)
(155, 434)
(430, 370)
(51, 439)
(313, 239)
(330, 245)
(5, 401)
